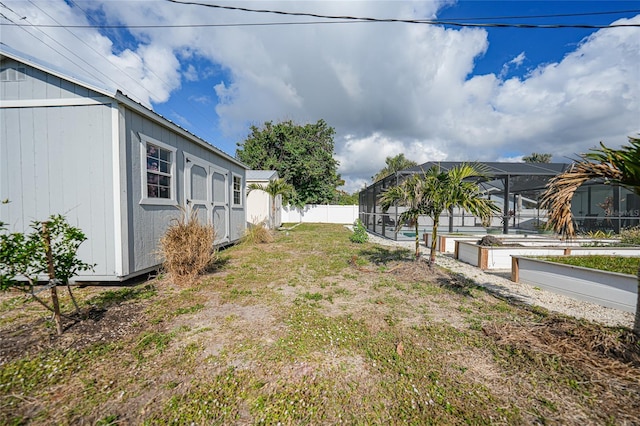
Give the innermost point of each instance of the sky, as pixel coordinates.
(431, 92)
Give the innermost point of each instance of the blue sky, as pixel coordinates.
(430, 92)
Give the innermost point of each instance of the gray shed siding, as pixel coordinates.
(147, 222)
(58, 160)
(69, 149)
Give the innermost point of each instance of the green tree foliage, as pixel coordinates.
(617, 166)
(343, 198)
(302, 156)
(394, 164)
(275, 188)
(432, 192)
(537, 158)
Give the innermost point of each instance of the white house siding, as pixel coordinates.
(56, 158)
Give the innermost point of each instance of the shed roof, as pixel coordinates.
(261, 174)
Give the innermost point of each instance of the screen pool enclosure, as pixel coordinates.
(516, 189)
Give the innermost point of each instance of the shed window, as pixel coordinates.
(158, 172)
(237, 190)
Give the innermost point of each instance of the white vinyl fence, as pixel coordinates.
(320, 213)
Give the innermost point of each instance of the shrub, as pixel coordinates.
(359, 233)
(257, 234)
(187, 248)
(630, 236)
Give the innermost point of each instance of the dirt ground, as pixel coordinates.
(390, 296)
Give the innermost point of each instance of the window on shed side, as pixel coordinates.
(159, 161)
(237, 190)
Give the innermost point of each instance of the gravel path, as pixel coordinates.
(498, 283)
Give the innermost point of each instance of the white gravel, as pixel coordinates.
(498, 283)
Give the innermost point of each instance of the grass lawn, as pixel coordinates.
(312, 329)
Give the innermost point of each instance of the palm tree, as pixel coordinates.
(618, 166)
(454, 188)
(394, 164)
(274, 188)
(409, 194)
(433, 192)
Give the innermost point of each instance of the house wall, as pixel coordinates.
(148, 222)
(56, 158)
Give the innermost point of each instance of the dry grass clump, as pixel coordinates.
(187, 248)
(630, 236)
(257, 234)
(597, 352)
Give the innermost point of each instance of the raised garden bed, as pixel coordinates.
(499, 257)
(610, 289)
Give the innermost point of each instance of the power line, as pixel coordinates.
(354, 20)
(117, 85)
(407, 21)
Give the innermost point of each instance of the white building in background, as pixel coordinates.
(259, 203)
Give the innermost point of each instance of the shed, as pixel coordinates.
(259, 203)
(111, 166)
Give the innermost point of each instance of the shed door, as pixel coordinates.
(219, 179)
(197, 190)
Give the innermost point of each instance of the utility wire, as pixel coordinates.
(355, 20)
(23, 27)
(196, 111)
(407, 21)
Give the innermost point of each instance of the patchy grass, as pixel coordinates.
(312, 329)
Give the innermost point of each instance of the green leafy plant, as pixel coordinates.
(50, 249)
(359, 235)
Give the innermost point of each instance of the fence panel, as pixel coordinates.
(320, 213)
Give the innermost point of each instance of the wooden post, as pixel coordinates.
(483, 258)
(515, 270)
(52, 277)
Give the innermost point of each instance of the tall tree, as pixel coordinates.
(537, 158)
(274, 188)
(301, 154)
(619, 166)
(394, 164)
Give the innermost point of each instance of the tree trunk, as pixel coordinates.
(434, 240)
(417, 241)
(52, 276)
(636, 324)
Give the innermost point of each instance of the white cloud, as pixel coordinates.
(514, 63)
(386, 88)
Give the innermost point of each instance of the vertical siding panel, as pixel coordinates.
(52, 87)
(26, 161)
(36, 87)
(42, 163)
(8, 164)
